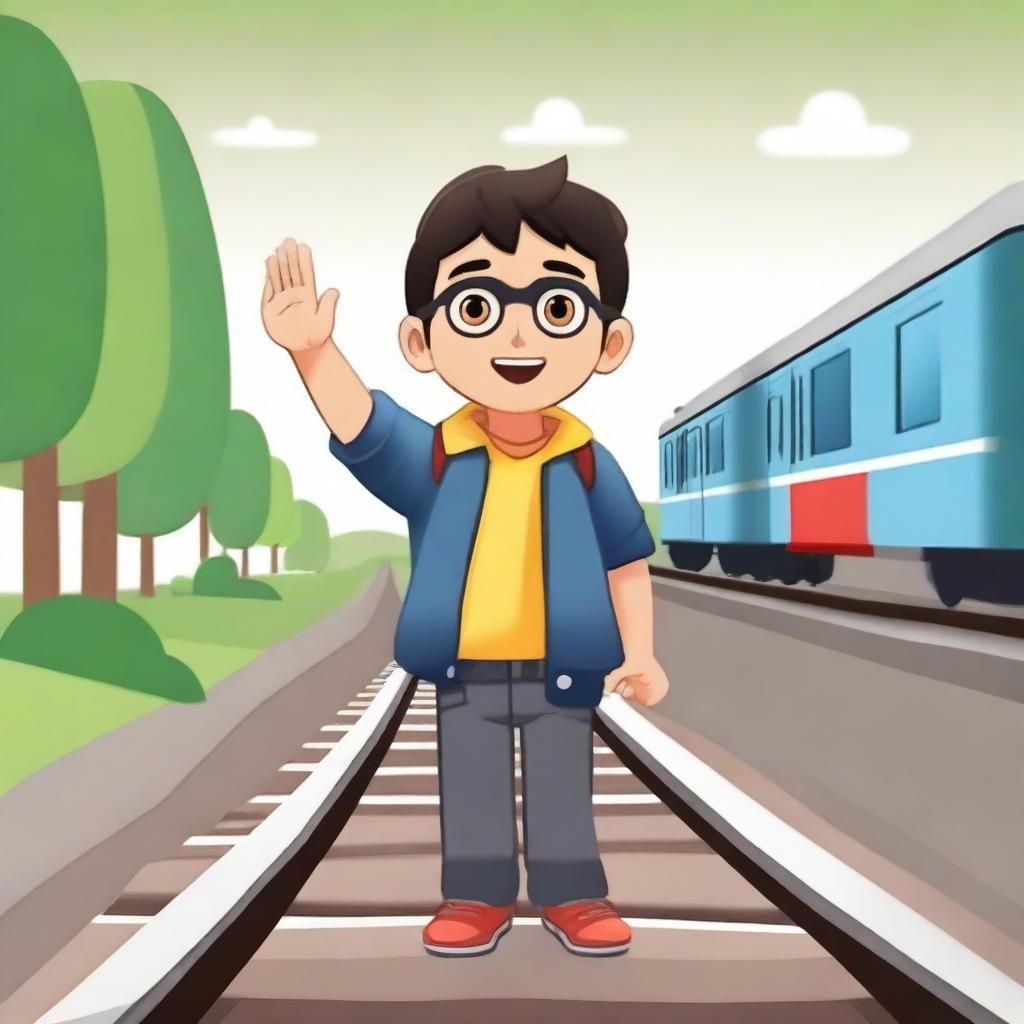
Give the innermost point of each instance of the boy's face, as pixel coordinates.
(537, 352)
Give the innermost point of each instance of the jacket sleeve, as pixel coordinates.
(618, 517)
(391, 456)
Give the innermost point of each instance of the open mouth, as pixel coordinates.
(518, 371)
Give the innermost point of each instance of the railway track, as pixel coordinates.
(951, 618)
(310, 898)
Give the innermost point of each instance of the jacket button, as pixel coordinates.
(451, 672)
(563, 682)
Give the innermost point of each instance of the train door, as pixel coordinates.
(777, 436)
(801, 441)
(695, 480)
(781, 433)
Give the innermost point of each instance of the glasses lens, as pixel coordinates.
(560, 312)
(474, 311)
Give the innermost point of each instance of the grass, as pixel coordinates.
(241, 622)
(352, 549)
(47, 714)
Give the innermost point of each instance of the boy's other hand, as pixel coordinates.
(292, 314)
(639, 679)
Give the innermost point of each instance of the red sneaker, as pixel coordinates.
(588, 927)
(466, 928)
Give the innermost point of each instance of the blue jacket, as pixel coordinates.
(585, 534)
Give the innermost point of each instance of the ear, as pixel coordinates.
(618, 341)
(414, 345)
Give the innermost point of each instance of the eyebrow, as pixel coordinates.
(565, 268)
(465, 268)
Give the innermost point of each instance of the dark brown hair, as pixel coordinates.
(495, 202)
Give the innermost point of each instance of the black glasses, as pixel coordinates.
(476, 306)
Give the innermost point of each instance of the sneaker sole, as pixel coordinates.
(470, 950)
(583, 950)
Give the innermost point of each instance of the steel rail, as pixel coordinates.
(176, 966)
(913, 968)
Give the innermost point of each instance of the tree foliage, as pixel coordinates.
(240, 496)
(279, 515)
(313, 548)
(294, 531)
(52, 290)
(132, 377)
(162, 488)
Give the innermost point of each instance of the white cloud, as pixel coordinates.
(262, 133)
(559, 122)
(834, 125)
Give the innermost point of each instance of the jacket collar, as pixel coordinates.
(460, 432)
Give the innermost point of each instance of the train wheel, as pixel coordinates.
(762, 561)
(690, 556)
(946, 575)
(944, 579)
(790, 568)
(995, 575)
(819, 568)
(734, 559)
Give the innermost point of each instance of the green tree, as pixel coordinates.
(240, 496)
(279, 517)
(294, 530)
(52, 290)
(313, 548)
(132, 378)
(164, 486)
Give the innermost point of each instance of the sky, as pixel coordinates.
(744, 223)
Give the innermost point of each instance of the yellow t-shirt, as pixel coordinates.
(503, 603)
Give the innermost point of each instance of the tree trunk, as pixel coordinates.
(146, 585)
(99, 538)
(204, 533)
(41, 529)
(273, 558)
(245, 561)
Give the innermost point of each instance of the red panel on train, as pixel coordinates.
(830, 516)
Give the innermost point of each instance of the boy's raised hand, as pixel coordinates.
(292, 314)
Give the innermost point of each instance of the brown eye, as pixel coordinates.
(561, 312)
(474, 311)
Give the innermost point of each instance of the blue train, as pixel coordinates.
(893, 420)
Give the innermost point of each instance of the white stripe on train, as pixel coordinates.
(976, 446)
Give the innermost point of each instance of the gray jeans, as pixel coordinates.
(476, 718)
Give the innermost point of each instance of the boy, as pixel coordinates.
(529, 591)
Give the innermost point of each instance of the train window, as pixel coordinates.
(716, 445)
(680, 460)
(668, 466)
(917, 371)
(830, 404)
(692, 453)
(775, 427)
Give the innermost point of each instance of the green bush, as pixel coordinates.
(97, 639)
(181, 585)
(218, 577)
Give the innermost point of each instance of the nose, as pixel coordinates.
(517, 340)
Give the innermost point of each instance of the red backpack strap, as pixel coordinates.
(585, 463)
(440, 455)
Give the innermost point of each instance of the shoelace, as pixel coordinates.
(454, 908)
(601, 908)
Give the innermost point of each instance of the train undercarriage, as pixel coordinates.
(762, 561)
(995, 576)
